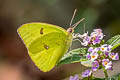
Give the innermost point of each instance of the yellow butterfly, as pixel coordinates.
(46, 43)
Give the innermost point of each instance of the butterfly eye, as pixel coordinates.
(46, 47)
(70, 30)
(41, 31)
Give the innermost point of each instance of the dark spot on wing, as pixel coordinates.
(46, 47)
(41, 31)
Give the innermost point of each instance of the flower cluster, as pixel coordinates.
(95, 37)
(99, 53)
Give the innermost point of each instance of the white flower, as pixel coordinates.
(103, 48)
(114, 56)
(94, 56)
(107, 64)
(83, 36)
(86, 41)
(106, 48)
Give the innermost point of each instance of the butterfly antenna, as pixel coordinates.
(74, 25)
(73, 17)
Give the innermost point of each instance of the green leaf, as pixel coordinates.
(114, 41)
(76, 55)
(87, 63)
(116, 76)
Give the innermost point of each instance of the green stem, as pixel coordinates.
(90, 77)
(105, 72)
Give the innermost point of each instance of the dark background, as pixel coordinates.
(15, 63)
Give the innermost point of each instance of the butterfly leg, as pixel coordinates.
(72, 41)
(70, 48)
(77, 40)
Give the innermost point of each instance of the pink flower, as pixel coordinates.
(76, 77)
(107, 64)
(96, 36)
(92, 56)
(86, 41)
(90, 49)
(105, 48)
(114, 56)
(95, 65)
(87, 73)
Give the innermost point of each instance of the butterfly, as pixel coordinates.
(46, 43)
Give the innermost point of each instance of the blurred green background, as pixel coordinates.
(15, 63)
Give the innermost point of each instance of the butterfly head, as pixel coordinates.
(72, 27)
(70, 30)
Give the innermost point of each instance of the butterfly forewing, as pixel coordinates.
(29, 32)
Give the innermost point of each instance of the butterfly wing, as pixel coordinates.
(46, 43)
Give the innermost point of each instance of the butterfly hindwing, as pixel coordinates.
(46, 58)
